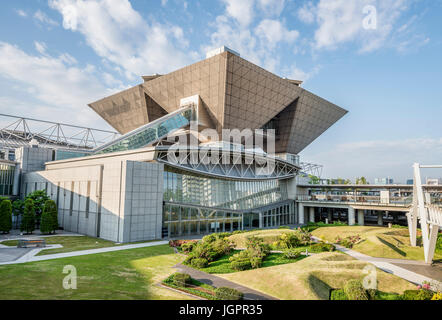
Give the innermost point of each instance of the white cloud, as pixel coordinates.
(260, 43)
(163, 3)
(60, 91)
(43, 18)
(272, 32)
(341, 21)
(272, 7)
(307, 12)
(296, 73)
(242, 11)
(21, 13)
(40, 47)
(119, 34)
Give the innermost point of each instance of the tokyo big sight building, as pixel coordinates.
(130, 190)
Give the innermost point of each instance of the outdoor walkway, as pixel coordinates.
(31, 255)
(249, 294)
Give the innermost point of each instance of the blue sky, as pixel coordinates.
(56, 56)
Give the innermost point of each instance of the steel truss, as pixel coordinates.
(227, 163)
(20, 131)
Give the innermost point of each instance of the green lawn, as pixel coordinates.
(128, 274)
(222, 265)
(377, 241)
(312, 278)
(70, 243)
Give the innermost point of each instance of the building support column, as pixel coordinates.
(361, 217)
(351, 216)
(301, 217)
(312, 215)
(329, 215)
(380, 218)
(260, 221)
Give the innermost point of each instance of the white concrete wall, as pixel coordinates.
(33, 159)
(125, 198)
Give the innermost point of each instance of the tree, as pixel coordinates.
(5, 216)
(39, 197)
(28, 221)
(17, 210)
(46, 225)
(361, 180)
(50, 208)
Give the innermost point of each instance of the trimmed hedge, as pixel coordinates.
(5, 216)
(181, 279)
(321, 247)
(224, 293)
(355, 291)
(338, 294)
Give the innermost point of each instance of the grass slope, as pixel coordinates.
(269, 236)
(128, 274)
(378, 242)
(313, 277)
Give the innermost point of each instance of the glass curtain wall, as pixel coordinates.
(186, 188)
(6, 179)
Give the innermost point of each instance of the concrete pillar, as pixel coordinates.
(361, 217)
(329, 215)
(312, 214)
(351, 216)
(301, 217)
(380, 218)
(260, 220)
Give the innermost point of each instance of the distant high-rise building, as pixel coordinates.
(383, 181)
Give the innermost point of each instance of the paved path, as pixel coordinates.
(30, 256)
(398, 267)
(16, 234)
(249, 294)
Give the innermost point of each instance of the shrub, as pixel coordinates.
(179, 243)
(181, 279)
(224, 293)
(28, 221)
(51, 208)
(256, 247)
(46, 223)
(255, 262)
(372, 293)
(187, 247)
(355, 291)
(5, 216)
(303, 235)
(210, 238)
(241, 265)
(199, 263)
(421, 294)
(291, 254)
(283, 227)
(39, 197)
(321, 247)
(338, 295)
(348, 242)
(288, 240)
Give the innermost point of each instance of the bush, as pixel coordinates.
(241, 265)
(355, 291)
(338, 295)
(39, 198)
(288, 240)
(210, 238)
(199, 263)
(5, 216)
(255, 262)
(28, 221)
(46, 224)
(304, 236)
(256, 247)
(224, 293)
(51, 208)
(292, 253)
(321, 247)
(187, 247)
(181, 279)
(421, 294)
